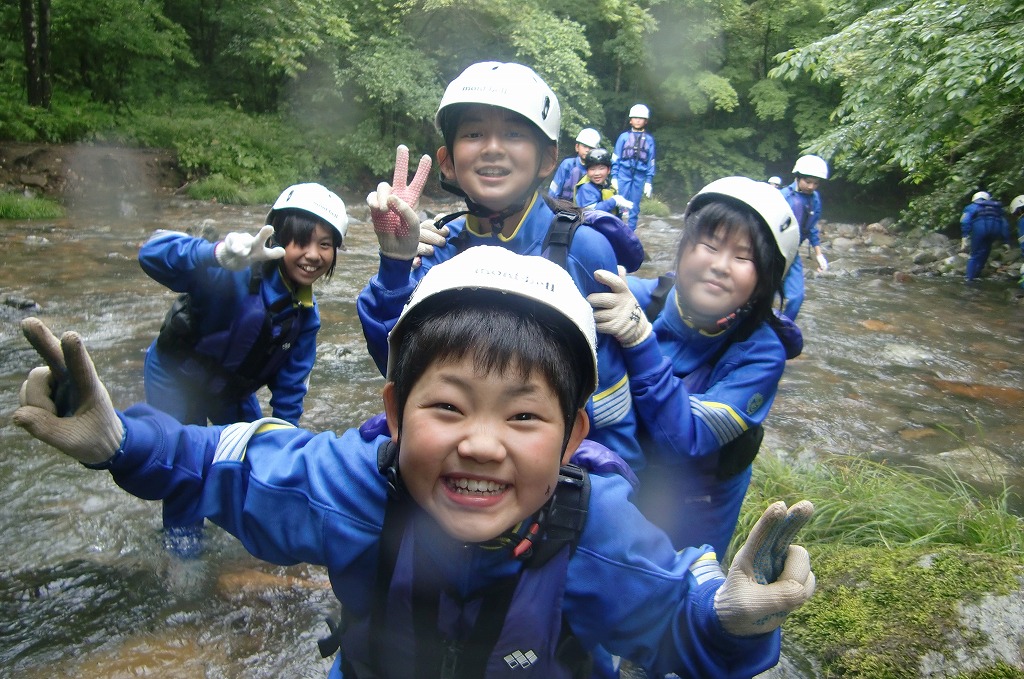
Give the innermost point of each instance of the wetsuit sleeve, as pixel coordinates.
(742, 388)
(174, 259)
(631, 592)
(288, 495)
(555, 189)
(813, 235)
(651, 160)
(289, 386)
(617, 153)
(965, 221)
(381, 302)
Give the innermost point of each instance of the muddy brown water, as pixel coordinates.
(894, 371)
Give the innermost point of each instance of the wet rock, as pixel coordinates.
(842, 244)
(974, 464)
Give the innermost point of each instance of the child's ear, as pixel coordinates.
(391, 409)
(580, 429)
(548, 160)
(445, 163)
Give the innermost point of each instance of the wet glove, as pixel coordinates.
(431, 237)
(822, 262)
(91, 433)
(965, 244)
(769, 577)
(238, 250)
(647, 190)
(617, 312)
(622, 202)
(615, 183)
(393, 208)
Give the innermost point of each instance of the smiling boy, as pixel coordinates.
(436, 528)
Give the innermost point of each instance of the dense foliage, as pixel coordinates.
(924, 94)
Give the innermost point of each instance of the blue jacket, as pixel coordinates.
(292, 496)
(590, 196)
(187, 264)
(634, 156)
(1020, 234)
(985, 218)
(691, 399)
(568, 174)
(807, 209)
(613, 423)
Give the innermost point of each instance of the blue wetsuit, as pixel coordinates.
(612, 420)
(807, 208)
(590, 196)
(633, 166)
(568, 174)
(292, 496)
(693, 393)
(178, 386)
(984, 222)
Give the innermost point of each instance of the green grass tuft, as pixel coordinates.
(15, 206)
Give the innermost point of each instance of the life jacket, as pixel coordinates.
(803, 209)
(606, 193)
(417, 628)
(636, 148)
(568, 189)
(239, 360)
(988, 217)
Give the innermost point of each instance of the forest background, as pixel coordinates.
(915, 103)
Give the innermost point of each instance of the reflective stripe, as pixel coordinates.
(235, 438)
(721, 419)
(612, 404)
(707, 568)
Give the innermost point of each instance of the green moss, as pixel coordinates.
(652, 207)
(15, 206)
(876, 611)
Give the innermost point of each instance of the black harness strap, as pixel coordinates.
(560, 234)
(659, 295)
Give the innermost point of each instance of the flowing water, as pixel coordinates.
(894, 371)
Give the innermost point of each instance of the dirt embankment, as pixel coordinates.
(70, 172)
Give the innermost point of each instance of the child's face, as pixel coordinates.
(807, 184)
(638, 123)
(598, 174)
(496, 157)
(582, 150)
(480, 452)
(716, 276)
(303, 264)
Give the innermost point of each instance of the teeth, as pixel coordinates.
(474, 486)
(493, 172)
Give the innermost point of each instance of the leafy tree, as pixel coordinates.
(35, 26)
(931, 90)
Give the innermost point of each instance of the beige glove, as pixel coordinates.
(431, 237)
(617, 312)
(769, 577)
(92, 432)
(393, 208)
(238, 250)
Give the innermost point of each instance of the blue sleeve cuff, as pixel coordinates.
(109, 462)
(393, 274)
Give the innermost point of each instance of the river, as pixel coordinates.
(895, 371)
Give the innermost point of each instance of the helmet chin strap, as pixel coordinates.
(723, 323)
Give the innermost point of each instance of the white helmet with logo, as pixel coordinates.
(1016, 204)
(775, 181)
(513, 87)
(980, 195)
(588, 136)
(811, 166)
(317, 200)
(765, 200)
(509, 276)
(639, 111)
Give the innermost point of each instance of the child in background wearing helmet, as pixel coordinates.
(432, 520)
(1017, 212)
(775, 181)
(633, 161)
(572, 169)
(594, 191)
(247, 318)
(500, 124)
(805, 201)
(981, 224)
(704, 376)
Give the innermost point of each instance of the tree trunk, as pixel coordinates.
(35, 26)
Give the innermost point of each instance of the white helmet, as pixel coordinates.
(775, 181)
(765, 200)
(509, 86)
(811, 166)
(588, 136)
(533, 280)
(317, 200)
(639, 111)
(980, 195)
(1016, 204)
